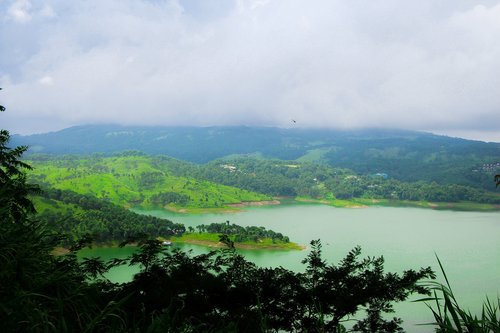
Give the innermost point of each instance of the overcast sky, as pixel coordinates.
(430, 65)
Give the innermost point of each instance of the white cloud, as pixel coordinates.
(424, 65)
(46, 80)
(19, 11)
(47, 11)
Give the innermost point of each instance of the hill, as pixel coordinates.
(404, 155)
(135, 181)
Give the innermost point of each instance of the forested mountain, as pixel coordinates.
(403, 155)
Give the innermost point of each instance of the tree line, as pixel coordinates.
(286, 178)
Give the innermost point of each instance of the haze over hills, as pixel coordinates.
(405, 155)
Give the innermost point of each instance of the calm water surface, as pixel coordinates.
(468, 244)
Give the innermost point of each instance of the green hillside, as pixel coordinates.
(136, 181)
(75, 216)
(404, 155)
(314, 182)
(133, 179)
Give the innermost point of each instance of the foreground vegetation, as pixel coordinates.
(451, 317)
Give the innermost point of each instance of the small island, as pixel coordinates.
(224, 234)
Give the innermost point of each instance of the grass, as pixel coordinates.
(314, 155)
(43, 204)
(134, 180)
(450, 317)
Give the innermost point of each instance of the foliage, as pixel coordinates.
(222, 288)
(452, 318)
(41, 292)
(242, 234)
(76, 215)
(279, 178)
(13, 187)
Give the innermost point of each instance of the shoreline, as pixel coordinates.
(274, 202)
(228, 208)
(60, 250)
(356, 203)
(242, 246)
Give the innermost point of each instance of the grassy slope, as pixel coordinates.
(44, 204)
(121, 180)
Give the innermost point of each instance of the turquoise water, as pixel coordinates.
(468, 244)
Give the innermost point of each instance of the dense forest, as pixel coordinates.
(76, 216)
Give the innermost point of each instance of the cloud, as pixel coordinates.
(19, 11)
(46, 80)
(425, 65)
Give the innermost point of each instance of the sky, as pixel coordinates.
(429, 65)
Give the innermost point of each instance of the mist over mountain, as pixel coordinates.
(401, 154)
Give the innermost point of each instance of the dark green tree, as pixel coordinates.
(13, 187)
(40, 292)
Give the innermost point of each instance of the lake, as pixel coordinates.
(468, 244)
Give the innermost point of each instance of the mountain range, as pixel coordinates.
(400, 154)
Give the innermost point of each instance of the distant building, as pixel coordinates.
(231, 168)
(490, 167)
(381, 174)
